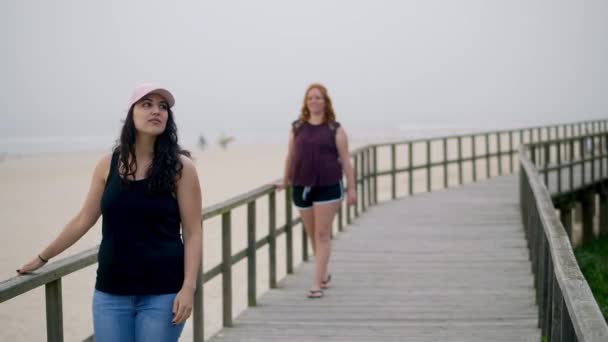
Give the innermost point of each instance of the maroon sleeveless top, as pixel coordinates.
(315, 161)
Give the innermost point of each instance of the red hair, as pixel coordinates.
(329, 116)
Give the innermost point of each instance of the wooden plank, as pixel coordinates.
(408, 272)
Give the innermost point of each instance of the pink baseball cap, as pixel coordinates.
(144, 89)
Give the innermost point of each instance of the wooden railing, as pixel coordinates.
(484, 154)
(567, 308)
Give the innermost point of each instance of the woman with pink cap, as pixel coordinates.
(148, 193)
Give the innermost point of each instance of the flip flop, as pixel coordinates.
(315, 294)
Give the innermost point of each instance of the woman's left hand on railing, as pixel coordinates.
(281, 184)
(31, 266)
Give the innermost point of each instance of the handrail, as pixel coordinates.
(365, 163)
(568, 310)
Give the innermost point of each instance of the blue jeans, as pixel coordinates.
(119, 318)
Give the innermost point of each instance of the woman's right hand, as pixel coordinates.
(281, 184)
(31, 266)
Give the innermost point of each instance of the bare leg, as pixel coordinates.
(324, 216)
(308, 219)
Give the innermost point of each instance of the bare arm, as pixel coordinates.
(81, 223)
(342, 145)
(190, 207)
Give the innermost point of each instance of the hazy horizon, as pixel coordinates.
(241, 67)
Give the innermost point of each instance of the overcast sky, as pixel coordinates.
(241, 67)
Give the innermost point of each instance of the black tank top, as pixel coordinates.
(141, 249)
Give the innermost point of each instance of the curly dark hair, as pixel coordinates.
(166, 167)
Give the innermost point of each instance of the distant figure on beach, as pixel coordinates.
(148, 194)
(202, 142)
(224, 140)
(316, 159)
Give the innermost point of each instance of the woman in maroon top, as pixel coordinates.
(317, 156)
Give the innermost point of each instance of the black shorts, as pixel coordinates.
(305, 196)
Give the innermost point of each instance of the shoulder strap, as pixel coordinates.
(334, 126)
(296, 125)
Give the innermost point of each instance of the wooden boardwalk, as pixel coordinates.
(451, 265)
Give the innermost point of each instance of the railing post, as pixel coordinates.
(547, 289)
(592, 158)
(601, 156)
(356, 185)
(445, 163)
(571, 173)
(251, 254)
(559, 169)
(288, 231)
(499, 152)
(227, 269)
(272, 240)
(364, 179)
(368, 176)
(557, 303)
(340, 219)
(531, 135)
(305, 241)
(410, 173)
(393, 171)
(487, 155)
(473, 158)
(198, 317)
(540, 269)
(568, 334)
(547, 162)
(511, 167)
(588, 203)
(375, 162)
(605, 148)
(54, 311)
(198, 310)
(603, 214)
(582, 155)
(428, 166)
(536, 253)
(348, 216)
(459, 160)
